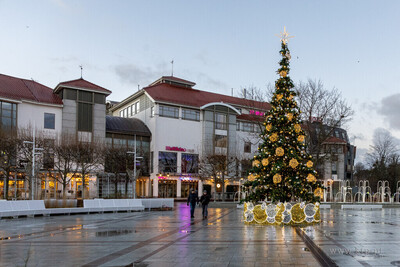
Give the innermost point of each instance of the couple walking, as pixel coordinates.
(193, 199)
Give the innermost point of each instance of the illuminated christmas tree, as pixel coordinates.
(282, 170)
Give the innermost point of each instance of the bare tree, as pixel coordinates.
(9, 144)
(383, 149)
(322, 111)
(88, 157)
(383, 158)
(64, 160)
(116, 161)
(219, 167)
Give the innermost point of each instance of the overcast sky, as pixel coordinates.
(219, 45)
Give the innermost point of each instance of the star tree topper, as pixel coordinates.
(285, 36)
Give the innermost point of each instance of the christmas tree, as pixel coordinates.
(282, 170)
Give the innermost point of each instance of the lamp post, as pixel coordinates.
(134, 167)
(34, 153)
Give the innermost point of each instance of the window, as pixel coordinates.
(49, 120)
(121, 113)
(70, 94)
(137, 107)
(168, 111)
(247, 127)
(247, 147)
(190, 114)
(238, 126)
(190, 163)
(220, 121)
(152, 112)
(99, 98)
(85, 115)
(334, 167)
(129, 111)
(8, 115)
(221, 140)
(85, 96)
(167, 162)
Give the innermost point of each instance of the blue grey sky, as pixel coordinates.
(350, 45)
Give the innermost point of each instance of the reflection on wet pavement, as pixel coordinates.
(172, 238)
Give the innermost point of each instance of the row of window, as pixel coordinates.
(8, 117)
(173, 112)
(83, 96)
(248, 127)
(168, 161)
(130, 110)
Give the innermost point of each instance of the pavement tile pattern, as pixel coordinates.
(172, 238)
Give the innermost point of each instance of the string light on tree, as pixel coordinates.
(282, 171)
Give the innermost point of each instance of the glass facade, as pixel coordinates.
(167, 162)
(220, 121)
(190, 163)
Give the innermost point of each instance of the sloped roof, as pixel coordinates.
(22, 89)
(169, 79)
(82, 84)
(334, 139)
(165, 92)
(130, 126)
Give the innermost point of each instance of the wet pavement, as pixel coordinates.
(172, 238)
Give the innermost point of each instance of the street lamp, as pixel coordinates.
(34, 153)
(134, 167)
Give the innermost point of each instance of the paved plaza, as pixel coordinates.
(172, 238)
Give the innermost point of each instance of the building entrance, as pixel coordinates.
(167, 188)
(187, 186)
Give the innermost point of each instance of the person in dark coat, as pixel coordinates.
(193, 199)
(204, 200)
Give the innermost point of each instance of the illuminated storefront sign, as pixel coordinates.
(256, 112)
(177, 148)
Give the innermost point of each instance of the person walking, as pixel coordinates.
(204, 200)
(193, 199)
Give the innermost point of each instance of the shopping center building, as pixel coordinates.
(189, 127)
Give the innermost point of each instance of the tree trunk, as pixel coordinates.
(6, 184)
(126, 186)
(223, 188)
(116, 178)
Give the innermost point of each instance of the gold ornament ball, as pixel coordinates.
(310, 164)
(280, 152)
(265, 162)
(311, 178)
(256, 163)
(293, 163)
(277, 178)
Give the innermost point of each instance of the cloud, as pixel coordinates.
(208, 81)
(389, 108)
(357, 136)
(360, 154)
(132, 74)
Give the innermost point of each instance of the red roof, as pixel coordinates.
(22, 89)
(165, 92)
(83, 84)
(334, 139)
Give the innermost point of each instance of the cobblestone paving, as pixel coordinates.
(171, 238)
